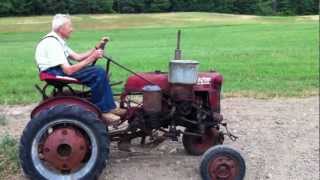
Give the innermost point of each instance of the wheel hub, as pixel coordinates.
(64, 149)
(223, 168)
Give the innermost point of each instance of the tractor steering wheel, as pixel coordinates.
(100, 45)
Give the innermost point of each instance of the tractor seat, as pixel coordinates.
(50, 78)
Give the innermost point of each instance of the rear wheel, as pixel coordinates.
(222, 162)
(64, 142)
(197, 145)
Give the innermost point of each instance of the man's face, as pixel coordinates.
(66, 30)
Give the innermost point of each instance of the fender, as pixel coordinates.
(54, 101)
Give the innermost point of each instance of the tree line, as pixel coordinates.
(258, 7)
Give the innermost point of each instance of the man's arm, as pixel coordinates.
(81, 56)
(70, 69)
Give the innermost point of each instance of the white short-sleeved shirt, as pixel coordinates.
(51, 52)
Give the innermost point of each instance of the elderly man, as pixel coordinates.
(53, 54)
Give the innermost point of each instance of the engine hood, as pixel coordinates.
(206, 80)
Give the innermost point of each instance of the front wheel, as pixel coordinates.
(222, 162)
(64, 142)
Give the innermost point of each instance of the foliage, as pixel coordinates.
(3, 120)
(265, 8)
(157, 5)
(260, 7)
(39, 7)
(9, 163)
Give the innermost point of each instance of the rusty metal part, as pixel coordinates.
(156, 141)
(217, 116)
(188, 120)
(203, 142)
(152, 99)
(229, 134)
(65, 148)
(180, 92)
(206, 141)
(177, 52)
(192, 134)
(223, 168)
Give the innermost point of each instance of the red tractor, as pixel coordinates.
(67, 138)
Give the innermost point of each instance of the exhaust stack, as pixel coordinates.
(177, 53)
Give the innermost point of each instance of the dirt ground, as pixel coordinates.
(279, 139)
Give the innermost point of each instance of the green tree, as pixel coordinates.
(245, 6)
(264, 7)
(5, 7)
(284, 7)
(305, 6)
(261, 7)
(224, 6)
(20, 7)
(157, 5)
(107, 6)
(131, 6)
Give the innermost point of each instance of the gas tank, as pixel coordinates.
(135, 83)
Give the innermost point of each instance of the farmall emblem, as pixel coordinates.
(203, 81)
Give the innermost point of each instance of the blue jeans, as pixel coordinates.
(96, 78)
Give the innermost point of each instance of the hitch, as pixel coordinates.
(229, 134)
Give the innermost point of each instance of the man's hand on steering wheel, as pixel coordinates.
(101, 44)
(97, 54)
(99, 49)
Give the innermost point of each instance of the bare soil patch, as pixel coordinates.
(279, 139)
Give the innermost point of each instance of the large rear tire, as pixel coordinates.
(64, 142)
(222, 162)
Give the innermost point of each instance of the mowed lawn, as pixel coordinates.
(258, 56)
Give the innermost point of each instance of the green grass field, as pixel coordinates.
(258, 56)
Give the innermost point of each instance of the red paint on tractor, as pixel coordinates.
(44, 76)
(209, 82)
(71, 100)
(136, 84)
(64, 148)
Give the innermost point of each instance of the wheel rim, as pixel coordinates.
(64, 148)
(223, 168)
(56, 154)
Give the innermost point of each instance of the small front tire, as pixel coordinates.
(222, 162)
